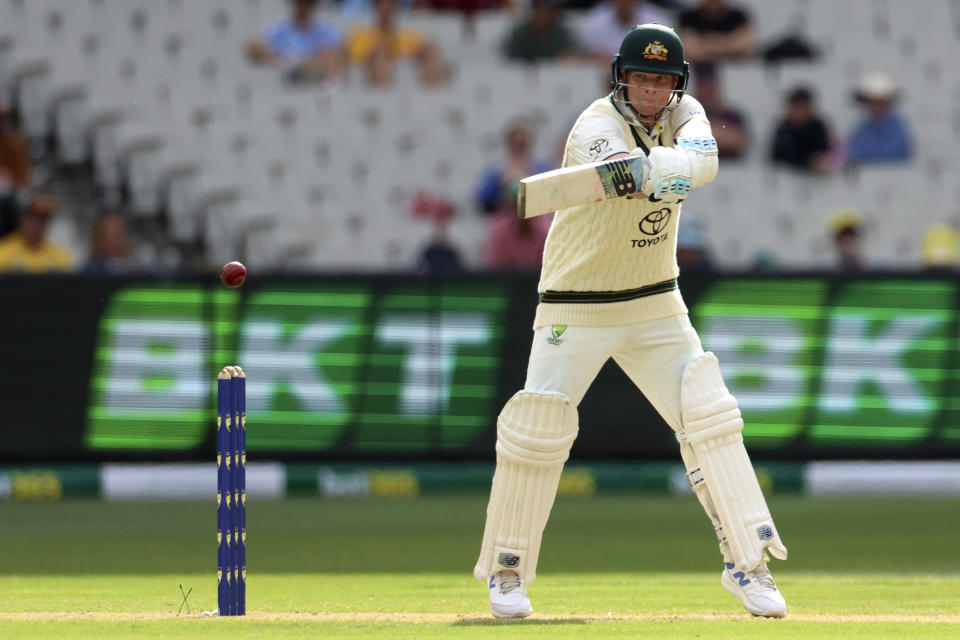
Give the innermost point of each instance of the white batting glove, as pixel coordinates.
(702, 153)
(668, 176)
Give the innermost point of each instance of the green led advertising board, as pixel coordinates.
(412, 368)
(390, 367)
(843, 364)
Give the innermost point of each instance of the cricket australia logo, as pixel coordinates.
(555, 332)
(655, 51)
(653, 224)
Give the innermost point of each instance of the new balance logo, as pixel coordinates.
(739, 575)
(508, 560)
(617, 177)
(623, 181)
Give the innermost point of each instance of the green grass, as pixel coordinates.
(611, 567)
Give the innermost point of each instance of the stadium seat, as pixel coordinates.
(156, 94)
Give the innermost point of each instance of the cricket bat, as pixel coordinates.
(580, 185)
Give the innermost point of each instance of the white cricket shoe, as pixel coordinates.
(755, 589)
(508, 598)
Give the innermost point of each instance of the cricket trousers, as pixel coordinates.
(653, 353)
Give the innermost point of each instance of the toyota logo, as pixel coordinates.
(655, 222)
(599, 147)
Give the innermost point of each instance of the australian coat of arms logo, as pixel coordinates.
(655, 51)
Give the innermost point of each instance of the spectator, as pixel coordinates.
(379, 46)
(605, 25)
(845, 225)
(883, 136)
(28, 249)
(111, 246)
(692, 251)
(802, 139)
(15, 173)
(519, 164)
(304, 46)
(714, 31)
(514, 244)
(941, 249)
(440, 256)
(542, 35)
(729, 125)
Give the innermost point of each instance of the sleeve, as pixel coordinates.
(594, 139)
(688, 109)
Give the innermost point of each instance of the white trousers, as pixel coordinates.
(653, 353)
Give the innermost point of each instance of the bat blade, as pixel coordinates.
(580, 185)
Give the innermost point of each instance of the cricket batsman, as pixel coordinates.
(608, 289)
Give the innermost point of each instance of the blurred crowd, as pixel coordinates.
(26, 216)
(307, 47)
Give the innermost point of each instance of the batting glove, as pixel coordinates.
(668, 177)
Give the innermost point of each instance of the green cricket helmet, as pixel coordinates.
(650, 48)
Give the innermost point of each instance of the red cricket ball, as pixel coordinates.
(233, 274)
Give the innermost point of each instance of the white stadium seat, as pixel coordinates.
(158, 97)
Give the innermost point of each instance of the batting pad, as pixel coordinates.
(713, 428)
(534, 434)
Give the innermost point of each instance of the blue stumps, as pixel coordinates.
(241, 394)
(224, 498)
(231, 492)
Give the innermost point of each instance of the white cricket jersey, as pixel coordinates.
(613, 262)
